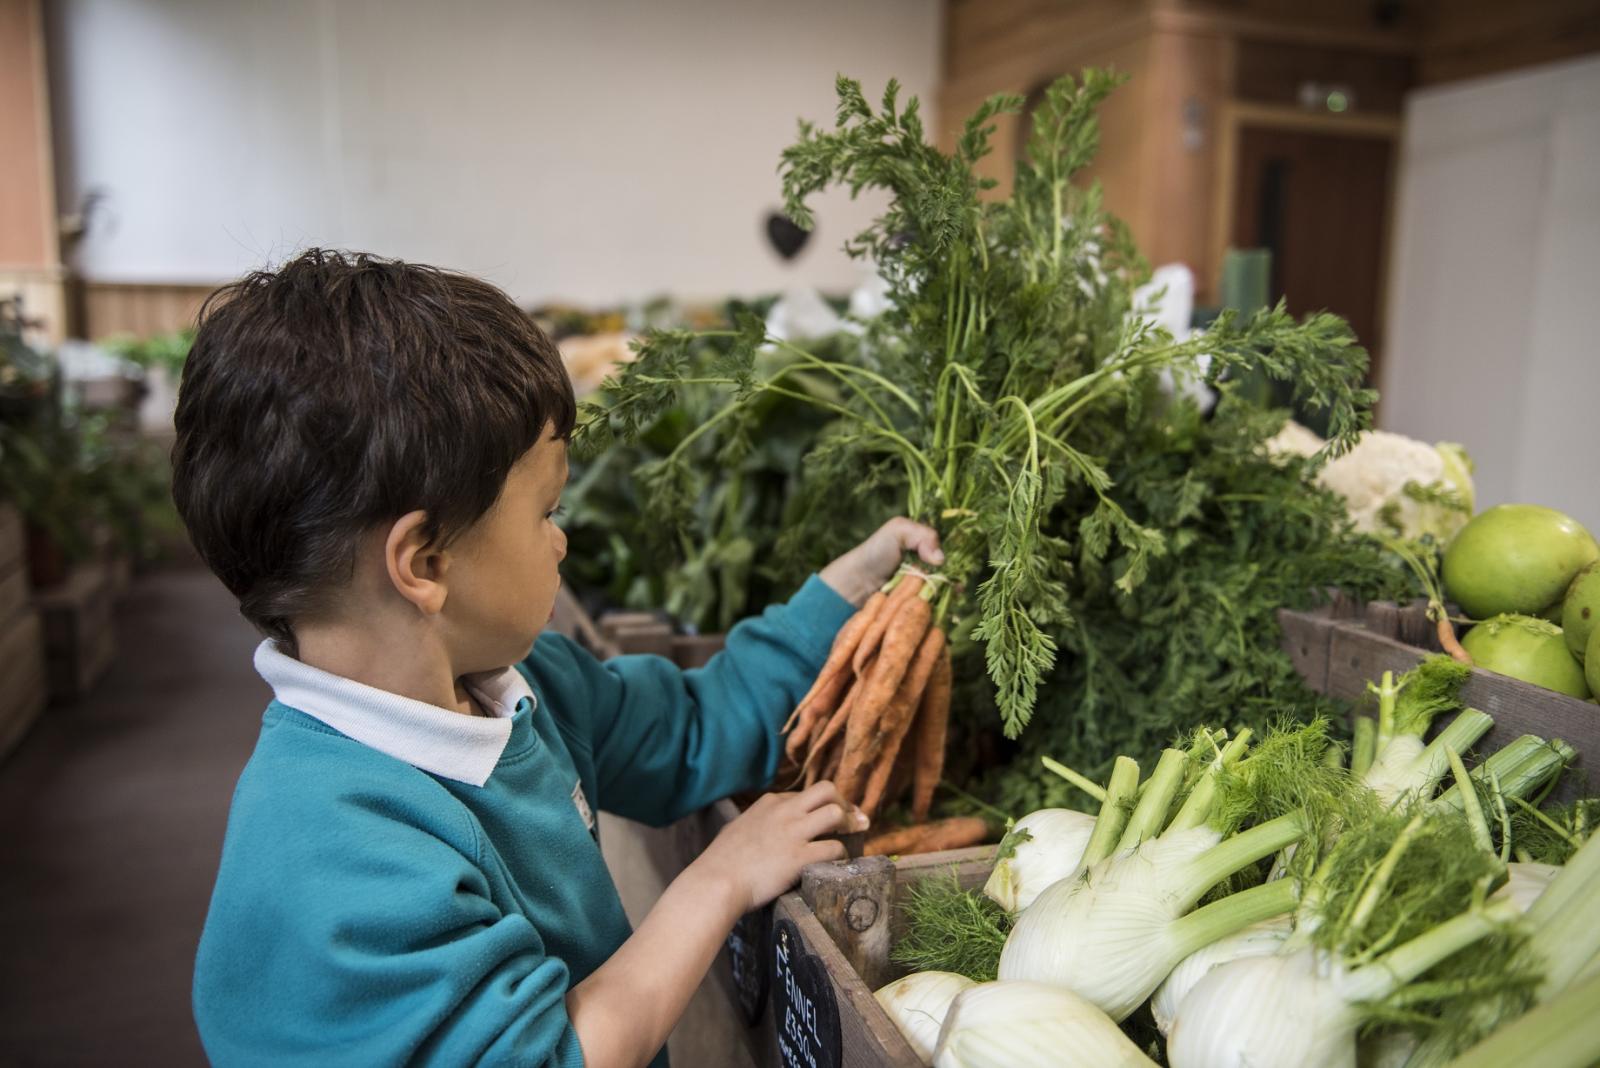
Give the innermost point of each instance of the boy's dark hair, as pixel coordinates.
(339, 393)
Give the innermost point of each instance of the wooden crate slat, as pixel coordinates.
(22, 678)
(79, 635)
(1305, 639)
(1355, 657)
(1417, 629)
(854, 902)
(867, 1035)
(1383, 618)
(570, 620)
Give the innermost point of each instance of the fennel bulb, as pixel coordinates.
(1113, 933)
(1402, 764)
(1284, 1009)
(1041, 848)
(1257, 940)
(1115, 930)
(1525, 881)
(1305, 1006)
(1031, 1025)
(918, 1003)
(1388, 1048)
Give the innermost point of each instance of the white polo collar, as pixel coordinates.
(438, 740)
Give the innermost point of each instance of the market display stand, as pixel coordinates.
(80, 636)
(795, 979)
(1340, 648)
(828, 945)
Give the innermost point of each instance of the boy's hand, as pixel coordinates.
(759, 855)
(856, 574)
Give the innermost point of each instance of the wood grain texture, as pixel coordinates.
(112, 308)
(23, 693)
(79, 638)
(1474, 38)
(1357, 654)
(27, 179)
(1305, 639)
(868, 1037)
(853, 901)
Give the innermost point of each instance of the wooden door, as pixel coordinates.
(1320, 202)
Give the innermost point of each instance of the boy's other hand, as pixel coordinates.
(855, 575)
(759, 855)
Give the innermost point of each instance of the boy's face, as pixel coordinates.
(503, 572)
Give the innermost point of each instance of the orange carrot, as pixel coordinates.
(1450, 644)
(910, 585)
(955, 833)
(898, 717)
(932, 724)
(900, 776)
(864, 733)
(836, 724)
(829, 768)
(831, 680)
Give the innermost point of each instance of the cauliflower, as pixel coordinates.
(1392, 484)
(1294, 440)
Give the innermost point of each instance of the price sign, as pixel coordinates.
(805, 1014)
(748, 961)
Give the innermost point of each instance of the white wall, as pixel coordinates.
(589, 150)
(1494, 301)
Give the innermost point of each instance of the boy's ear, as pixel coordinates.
(416, 567)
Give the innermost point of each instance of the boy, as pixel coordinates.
(370, 456)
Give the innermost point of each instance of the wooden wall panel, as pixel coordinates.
(1157, 174)
(1473, 38)
(112, 308)
(1271, 72)
(1187, 88)
(27, 195)
(1035, 42)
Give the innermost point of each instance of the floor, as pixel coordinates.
(111, 818)
(112, 812)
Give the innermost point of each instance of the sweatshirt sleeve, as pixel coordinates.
(665, 741)
(393, 954)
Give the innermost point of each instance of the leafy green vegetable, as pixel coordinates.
(1199, 640)
(990, 396)
(1552, 833)
(719, 561)
(949, 929)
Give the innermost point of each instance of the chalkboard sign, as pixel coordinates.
(748, 961)
(805, 1016)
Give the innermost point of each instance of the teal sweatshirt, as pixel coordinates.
(368, 912)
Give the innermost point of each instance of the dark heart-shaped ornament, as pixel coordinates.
(787, 238)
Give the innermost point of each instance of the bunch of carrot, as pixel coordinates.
(875, 720)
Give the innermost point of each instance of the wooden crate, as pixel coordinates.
(22, 677)
(628, 633)
(79, 635)
(800, 973)
(827, 949)
(827, 945)
(1340, 648)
